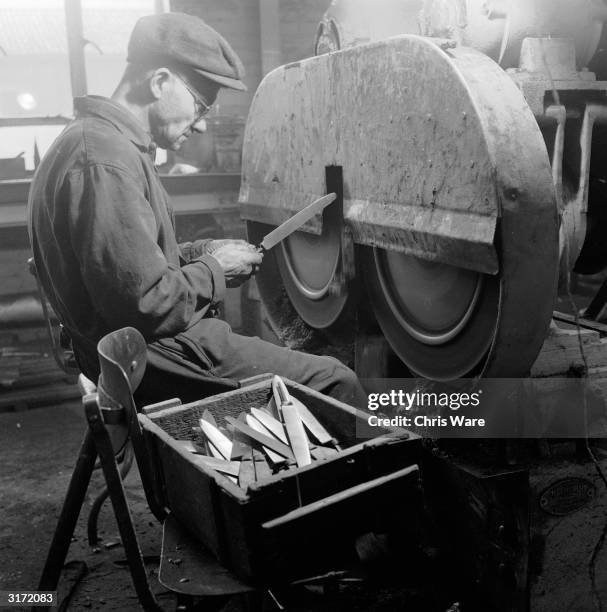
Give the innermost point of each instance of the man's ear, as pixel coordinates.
(159, 79)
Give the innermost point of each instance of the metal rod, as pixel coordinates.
(269, 24)
(75, 47)
(558, 114)
(595, 113)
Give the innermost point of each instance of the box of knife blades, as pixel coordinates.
(277, 481)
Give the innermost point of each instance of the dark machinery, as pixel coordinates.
(466, 142)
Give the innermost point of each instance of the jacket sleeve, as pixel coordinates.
(114, 234)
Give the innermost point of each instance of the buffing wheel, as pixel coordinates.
(439, 319)
(307, 265)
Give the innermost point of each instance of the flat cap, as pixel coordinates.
(187, 41)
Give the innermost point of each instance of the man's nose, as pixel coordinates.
(200, 126)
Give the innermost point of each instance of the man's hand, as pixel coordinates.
(238, 259)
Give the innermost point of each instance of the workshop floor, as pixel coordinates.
(38, 448)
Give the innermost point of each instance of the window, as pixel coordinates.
(35, 81)
(35, 88)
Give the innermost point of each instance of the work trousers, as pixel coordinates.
(210, 357)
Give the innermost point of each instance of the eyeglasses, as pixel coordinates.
(201, 107)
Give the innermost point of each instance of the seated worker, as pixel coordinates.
(102, 229)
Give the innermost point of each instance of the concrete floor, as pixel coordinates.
(38, 449)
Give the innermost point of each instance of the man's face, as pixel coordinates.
(176, 115)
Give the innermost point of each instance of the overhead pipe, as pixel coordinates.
(22, 310)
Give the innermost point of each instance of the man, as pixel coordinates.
(102, 230)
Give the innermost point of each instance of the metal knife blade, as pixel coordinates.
(207, 415)
(219, 465)
(240, 449)
(281, 394)
(297, 435)
(275, 458)
(217, 439)
(295, 222)
(273, 425)
(312, 424)
(271, 408)
(250, 434)
(213, 452)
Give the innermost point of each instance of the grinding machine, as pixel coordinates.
(466, 142)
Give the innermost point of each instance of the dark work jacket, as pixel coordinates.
(103, 238)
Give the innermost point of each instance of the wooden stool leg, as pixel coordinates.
(120, 505)
(74, 499)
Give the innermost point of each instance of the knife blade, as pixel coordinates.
(273, 425)
(280, 393)
(295, 222)
(240, 449)
(275, 458)
(297, 435)
(312, 424)
(211, 450)
(207, 415)
(248, 433)
(271, 408)
(231, 468)
(217, 439)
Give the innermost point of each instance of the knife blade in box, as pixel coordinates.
(207, 415)
(248, 433)
(211, 450)
(240, 449)
(280, 394)
(295, 222)
(271, 408)
(275, 458)
(217, 439)
(312, 424)
(231, 468)
(297, 435)
(273, 425)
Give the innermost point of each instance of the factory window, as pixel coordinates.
(34, 92)
(38, 84)
(106, 27)
(36, 88)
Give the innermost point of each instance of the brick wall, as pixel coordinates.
(298, 23)
(238, 22)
